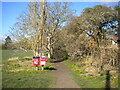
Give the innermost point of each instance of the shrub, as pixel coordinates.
(59, 53)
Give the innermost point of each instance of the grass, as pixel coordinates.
(84, 81)
(6, 54)
(88, 82)
(18, 71)
(24, 79)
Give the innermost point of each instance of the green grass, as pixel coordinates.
(85, 81)
(88, 82)
(6, 54)
(20, 73)
(35, 79)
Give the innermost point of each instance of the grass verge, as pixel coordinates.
(85, 81)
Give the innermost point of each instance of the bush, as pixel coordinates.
(58, 53)
(64, 55)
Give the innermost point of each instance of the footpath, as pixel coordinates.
(64, 79)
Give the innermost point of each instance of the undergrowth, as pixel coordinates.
(86, 80)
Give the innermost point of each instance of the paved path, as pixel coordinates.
(64, 80)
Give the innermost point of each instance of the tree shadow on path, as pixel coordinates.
(49, 68)
(57, 60)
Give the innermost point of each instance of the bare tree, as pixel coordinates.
(57, 15)
(28, 27)
(39, 23)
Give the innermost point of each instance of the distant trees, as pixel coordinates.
(24, 44)
(7, 44)
(8, 41)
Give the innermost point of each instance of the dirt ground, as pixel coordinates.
(64, 80)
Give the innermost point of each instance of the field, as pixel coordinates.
(18, 71)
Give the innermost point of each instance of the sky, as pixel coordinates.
(12, 10)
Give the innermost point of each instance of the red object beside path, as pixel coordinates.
(39, 60)
(43, 60)
(36, 61)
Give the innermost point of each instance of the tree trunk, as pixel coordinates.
(36, 53)
(49, 47)
(49, 55)
(42, 25)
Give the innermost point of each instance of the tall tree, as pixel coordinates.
(117, 8)
(42, 23)
(39, 23)
(57, 15)
(28, 27)
(94, 20)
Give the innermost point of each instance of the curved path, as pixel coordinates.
(64, 80)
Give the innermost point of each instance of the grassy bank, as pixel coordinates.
(18, 71)
(85, 80)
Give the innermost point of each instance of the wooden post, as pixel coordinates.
(42, 67)
(37, 68)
